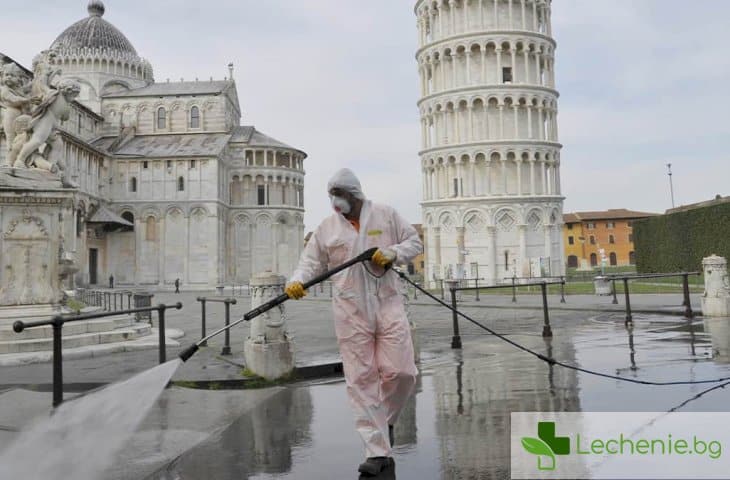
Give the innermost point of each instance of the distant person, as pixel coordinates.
(370, 318)
(177, 285)
(111, 281)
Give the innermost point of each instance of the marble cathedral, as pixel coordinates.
(167, 184)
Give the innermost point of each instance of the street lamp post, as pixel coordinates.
(671, 186)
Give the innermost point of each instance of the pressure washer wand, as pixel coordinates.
(366, 255)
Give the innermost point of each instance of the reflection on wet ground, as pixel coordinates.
(457, 425)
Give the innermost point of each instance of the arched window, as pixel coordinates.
(612, 259)
(180, 184)
(611, 239)
(161, 118)
(632, 258)
(128, 216)
(594, 260)
(133, 184)
(195, 117)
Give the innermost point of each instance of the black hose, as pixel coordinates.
(366, 255)
(552, 361)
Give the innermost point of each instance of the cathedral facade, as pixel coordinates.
(169, 184)
(490, 157)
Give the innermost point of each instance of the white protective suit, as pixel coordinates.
(370, 319)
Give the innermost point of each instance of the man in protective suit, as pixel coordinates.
(370, 319)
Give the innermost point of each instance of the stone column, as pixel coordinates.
(716, 298)
(492, 241)
(460, 249)
(268, 351)
(548, 241)
(161, 250)
(453, 69)
(467, 54)
(437, 250)
(524, 263)
(532, 176)
(500, 79)
(484, 62)
(501, 121)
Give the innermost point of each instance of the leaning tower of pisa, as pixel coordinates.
(490, 156)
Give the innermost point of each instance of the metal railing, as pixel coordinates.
(686, 303)
(227, 302)
(514, 279)
(59, 320)
(460, 280)
(546, 329)
(106, 299)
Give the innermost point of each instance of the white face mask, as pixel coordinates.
(340, 204)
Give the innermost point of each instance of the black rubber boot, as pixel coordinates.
(391, 436)
(374, 465)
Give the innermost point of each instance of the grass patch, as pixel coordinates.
(254, 381)
(75, 305)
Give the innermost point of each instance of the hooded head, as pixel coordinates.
(345, 192)
(345, 180)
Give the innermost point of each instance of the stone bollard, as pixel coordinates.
(268, 351)
(716, 299)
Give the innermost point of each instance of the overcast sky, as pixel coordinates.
(642, 84)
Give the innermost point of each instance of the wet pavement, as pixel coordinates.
(457, 424)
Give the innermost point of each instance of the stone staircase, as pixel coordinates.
(75, 334)
(84, 338)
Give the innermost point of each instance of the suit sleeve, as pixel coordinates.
(409, 244)
(313, 260)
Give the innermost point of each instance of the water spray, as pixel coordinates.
(190, 351)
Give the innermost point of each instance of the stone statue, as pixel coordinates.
(14, 97)
(21, 128)
(43, 75)
(55, 107)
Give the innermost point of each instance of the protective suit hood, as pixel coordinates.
(346, 180)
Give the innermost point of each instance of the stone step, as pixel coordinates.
(74, 341)
(71, 328)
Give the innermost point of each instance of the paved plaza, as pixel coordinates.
(457, 424)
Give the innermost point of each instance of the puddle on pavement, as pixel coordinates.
(457, 425)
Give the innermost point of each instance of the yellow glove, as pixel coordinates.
(383, 257)
(295, 290)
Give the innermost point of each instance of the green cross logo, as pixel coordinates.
(546, 445)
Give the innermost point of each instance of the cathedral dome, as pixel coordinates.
(95, 33)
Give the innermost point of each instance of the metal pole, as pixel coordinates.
(546, 330)
(227, 343)
(671, 185)
(57, 362)
(514, 290)
(202, 321)
(562, 289)
(456, 339)
(615, 300)
(161, 327)
(629, 318)
(687, 304)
